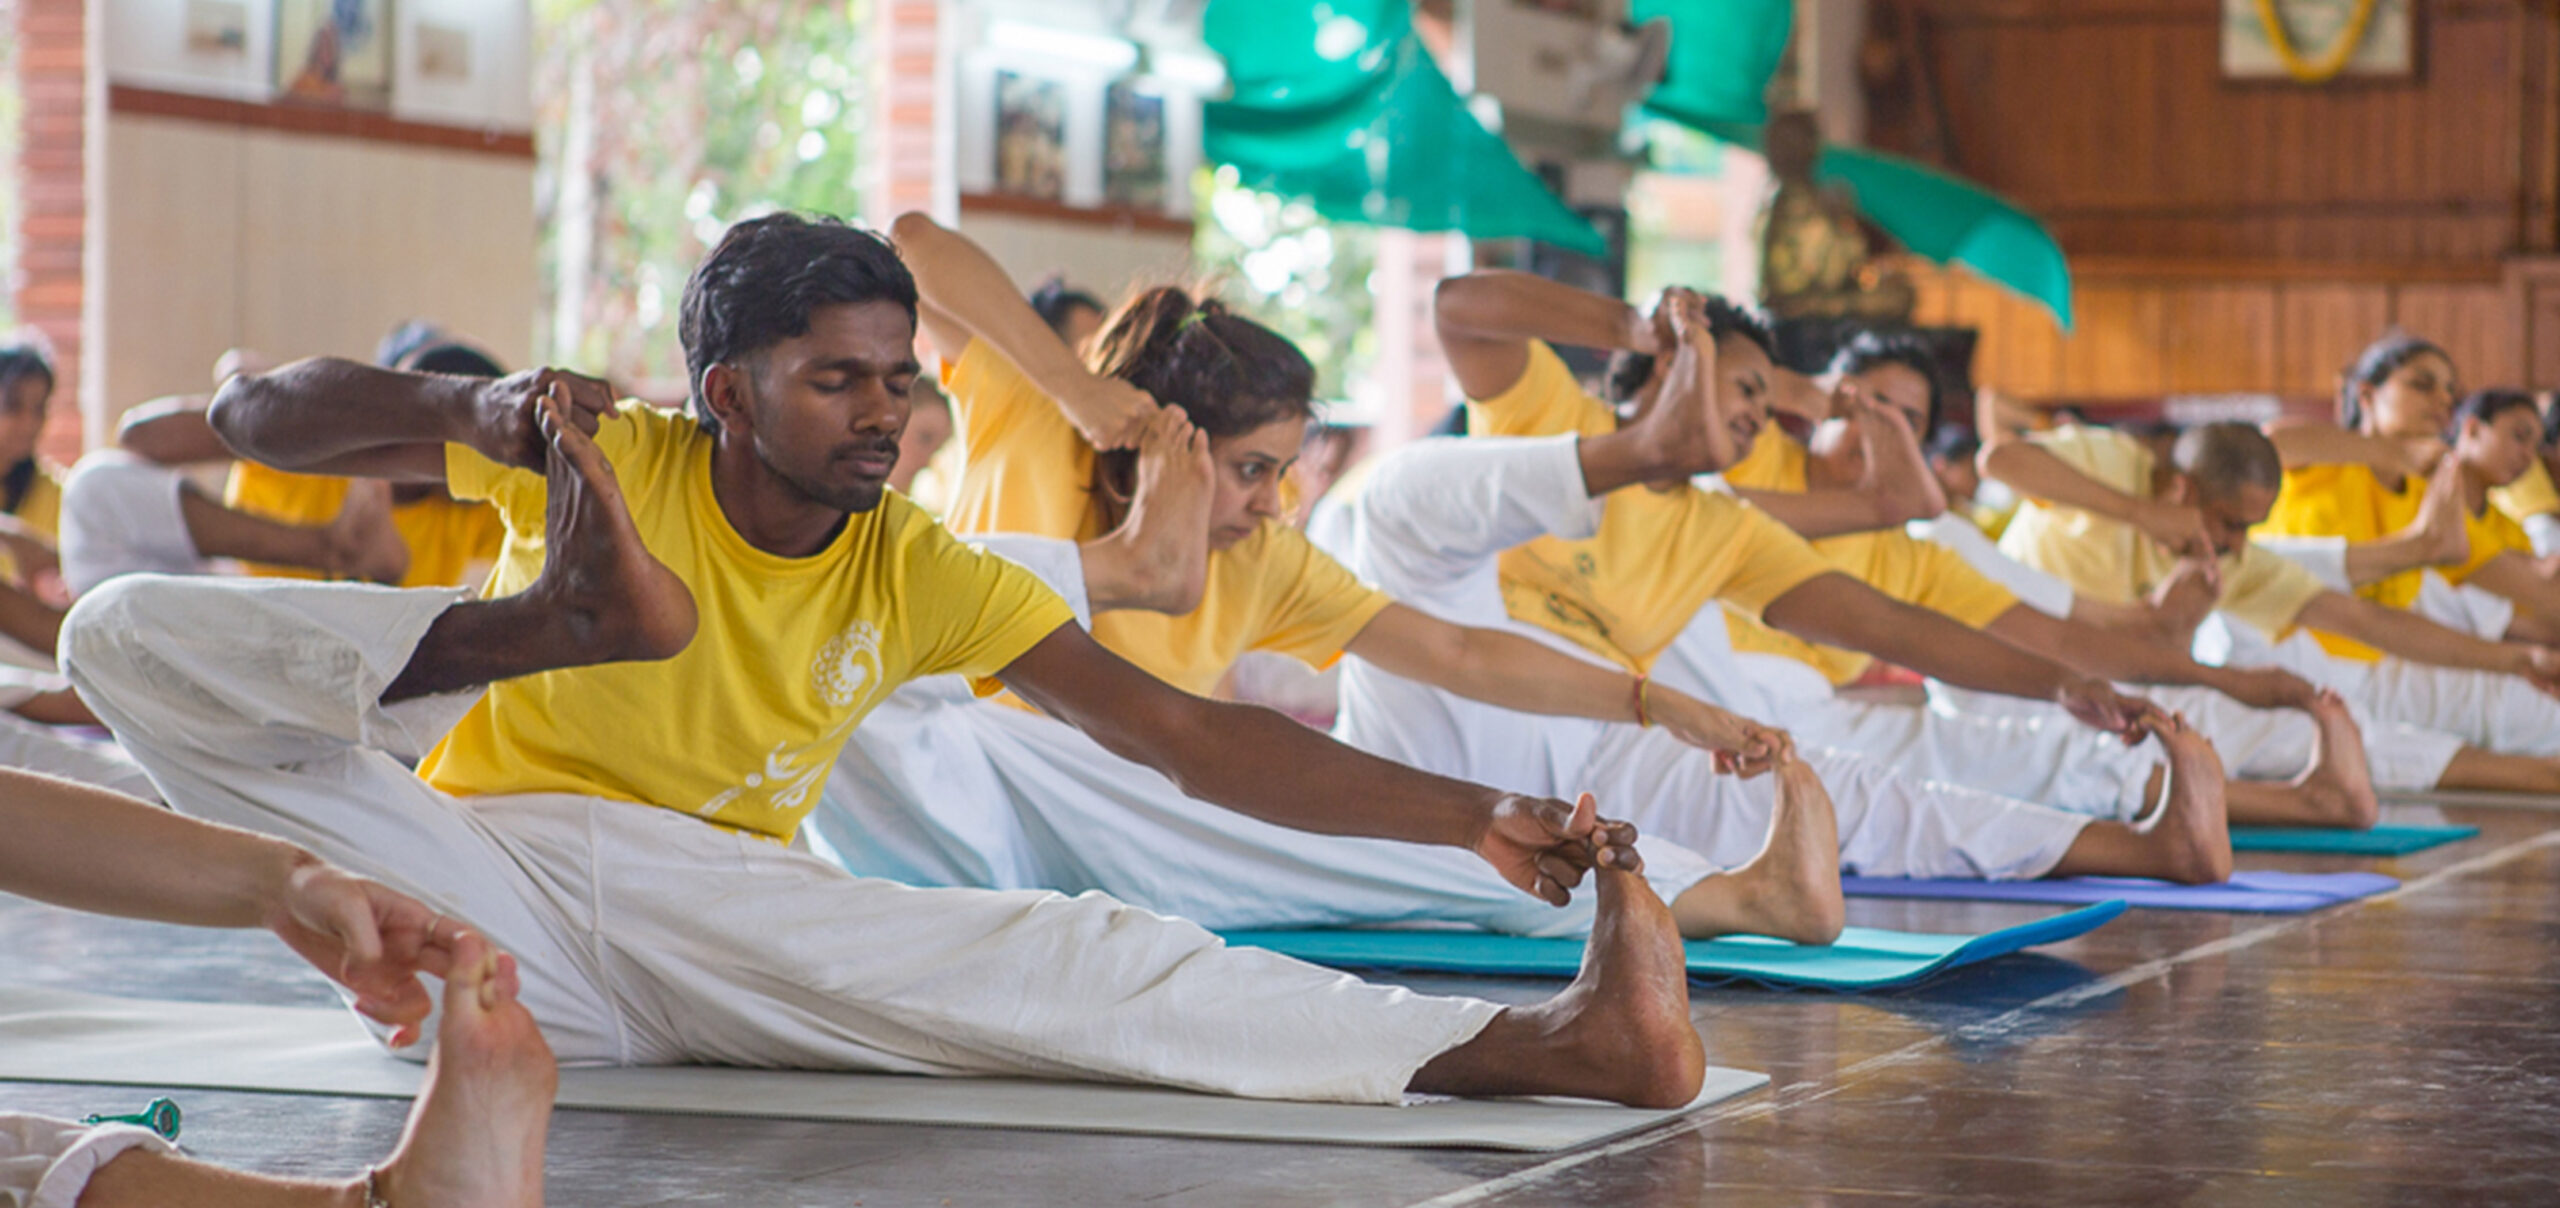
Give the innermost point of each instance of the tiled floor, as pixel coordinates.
(2403, 1050)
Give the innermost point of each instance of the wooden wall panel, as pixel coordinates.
(2110, 119)
(2472, 322)
(2116, 348)
(2322, 327)
(2218, 339)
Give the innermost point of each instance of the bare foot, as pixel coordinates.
(1790, 890)
(1686, 431)
(1158, 558)
(2192, 828)
(2339, 783)
(1620, 1032)
(363, 543)
(620, 602)
(475, 1137)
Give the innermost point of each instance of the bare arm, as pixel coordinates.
(171, 431)
(2537, 599)
(2041, 475)
(1486, 319)
(1261, 764)
(970, 297)
(1894, 485)
(1837, 610)
(90, 849)
(333, 416)
(2419, 640)
(2302, 443)
(1514, 672)
(2117, 655)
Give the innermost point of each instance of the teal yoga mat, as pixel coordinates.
(1864, 958)
(2385, 840)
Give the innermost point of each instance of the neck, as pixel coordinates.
(2475, 486)
(771, 514)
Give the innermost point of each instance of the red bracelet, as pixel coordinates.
(1644, 719)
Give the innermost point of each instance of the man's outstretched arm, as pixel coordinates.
(327, 415)
(1837, 610)
(1261, 764)
(1486, 319)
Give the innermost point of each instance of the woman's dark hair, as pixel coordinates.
(1869, 349)
(1230, 374)
(1055, 300)
(1629, 371)
(17, 363)
(2374, 366)
(2487, 405)
(767, 276)
(1953, 443)
(457, 360)
(405, 340)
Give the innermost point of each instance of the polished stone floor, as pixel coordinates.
(2400, 1050)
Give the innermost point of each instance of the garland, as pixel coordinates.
(2331, 61)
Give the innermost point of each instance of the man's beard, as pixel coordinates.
(860, 498)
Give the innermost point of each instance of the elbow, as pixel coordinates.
(1458, 304)
(914, 231)
(233, 413)
(1998, 459)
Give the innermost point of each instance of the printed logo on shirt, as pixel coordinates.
(848, 666)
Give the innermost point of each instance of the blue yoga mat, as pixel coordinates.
(2383, 840)
(1863, 959)
(2245, 892)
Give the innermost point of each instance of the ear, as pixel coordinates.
(726, 391)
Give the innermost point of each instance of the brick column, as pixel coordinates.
(907, 119)
(52, 208)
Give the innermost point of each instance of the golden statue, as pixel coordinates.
(1814, 260)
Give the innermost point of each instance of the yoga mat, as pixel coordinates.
(2383, 840)
(66, 1036)
(1864, 958)
(2245, 892)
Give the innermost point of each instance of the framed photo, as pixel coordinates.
(1031, 136)
(1133, 147)
(334, 52)
(219, 27)
(444, 53)
(2311, 33)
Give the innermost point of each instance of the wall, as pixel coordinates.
(1033, 239)
(296, 244)
(52, 178)
(2109, 119)
(2243, 236)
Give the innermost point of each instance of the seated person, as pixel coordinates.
(475, 1136)
(1981, 503)
(2108, 519)
(2532, 500)
(30, 512)
(928, 431)
(691, 614)
(2405, 488)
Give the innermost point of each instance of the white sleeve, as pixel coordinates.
(2324, 557)
(2045, 593)
(2544, 528)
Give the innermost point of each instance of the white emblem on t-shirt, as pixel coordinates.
(848, 667)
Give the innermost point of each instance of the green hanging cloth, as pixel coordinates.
(1338, 104)
(1723, 53)
(1940, 216)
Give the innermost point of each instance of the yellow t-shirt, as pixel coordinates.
(1658, 558)
(1026, 470)
(40, 509)
(742, 727)
(2529, 496)
(2350, 501)
(2113, 562)
(1911, 570)
(451, 543)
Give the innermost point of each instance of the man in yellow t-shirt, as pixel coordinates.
(2120, 526)
(690, 614)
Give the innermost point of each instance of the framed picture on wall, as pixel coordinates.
(1031, 136)
(334, 52)
(2315, 41)
(1133, 147)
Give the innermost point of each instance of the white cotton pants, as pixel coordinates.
(120, 516)
(940, 788)
(1428, 527)
(46, 1163)
(2494, 712)
(650, 937)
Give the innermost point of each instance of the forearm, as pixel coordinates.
(171, 432)
(1513, 672)
(960, 280)
(2383, 557)
(1505, 305)
(1837, 610)
(328, 415)
(93, 850)
(2041, 475)
(2410, 636)
(2108, 654)
(2300, 444)
(1825, 513)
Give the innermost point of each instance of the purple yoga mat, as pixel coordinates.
(2245, 892)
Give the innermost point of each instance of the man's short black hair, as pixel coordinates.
(1952, 443)
(2226, 456)
(1868, 349)
(457, 360)
(1629, 371)
(765, 279)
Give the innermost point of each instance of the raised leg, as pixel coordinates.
(1791, 888)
